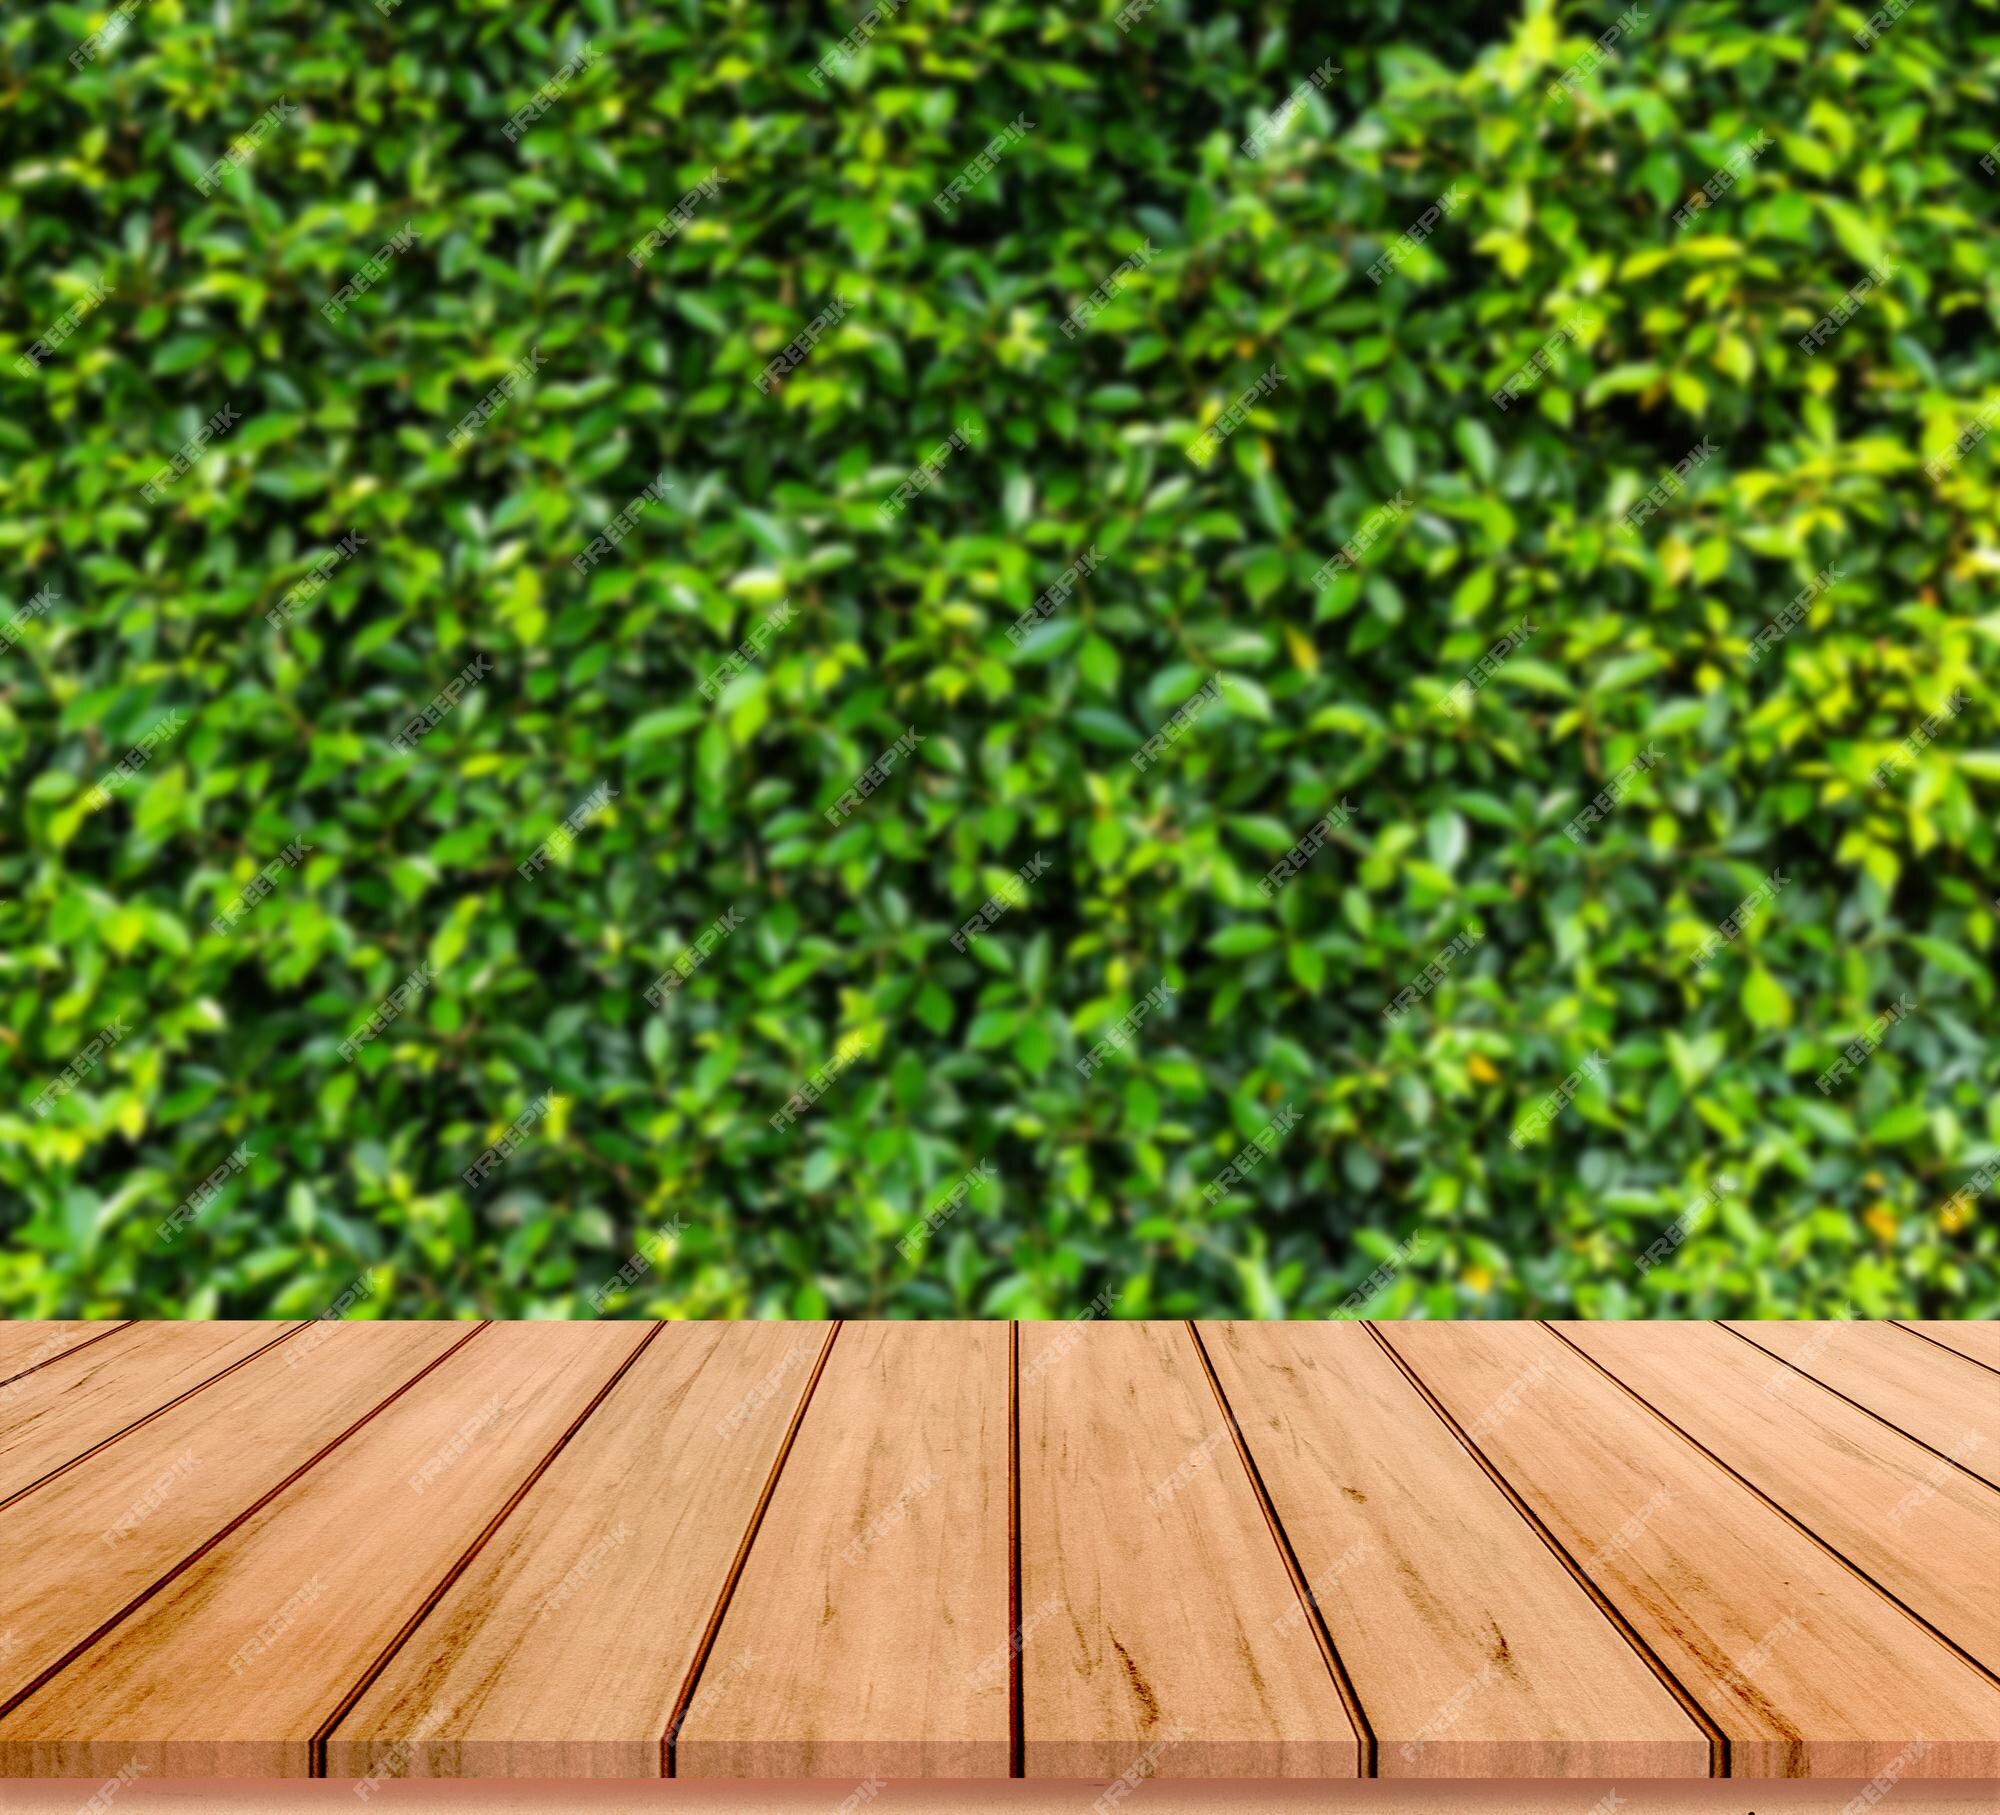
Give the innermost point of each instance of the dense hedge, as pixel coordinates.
(449, 560)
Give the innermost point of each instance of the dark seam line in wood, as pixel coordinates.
(249, 1512)
(1350, 1697)
(345, 1706)
(1907, 1331)
(670, 1740)
(75, 1349)
(1017, 1745)
(140, 1423)
(1886, 1423)
(1792, 1519)
(1718, 1741)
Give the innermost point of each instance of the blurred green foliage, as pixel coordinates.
(661, 1118)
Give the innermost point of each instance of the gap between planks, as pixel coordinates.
(158, 1411)
(1792, 1519)
(1718, 1741)
(317, 1747)
(1925, 1336)
(242, 1518)
(1350, 1699)
(1342, 1681)
(1886, 1422)
(669, 1738)
(65, 1354)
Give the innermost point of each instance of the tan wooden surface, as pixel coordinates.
(1149, 1570)
(1085, 1550)
(562, 1650)
(236, 1663)
(1980, 1341)
(1932, 1394)
(1431, 1578)
(56, 1417)
(26, 1347)
(1913, 1525)
(1804, 1666)
(878, 1586)
(96, 1541)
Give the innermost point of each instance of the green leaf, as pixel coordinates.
(182, 354)
(1904, 1123)
(1765, 1000)
(1246, 696)
(993, 1028)
(1444, 832)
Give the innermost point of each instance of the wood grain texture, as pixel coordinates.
(82, 1549)
(561, 1650)
(1148, 1572)
(927, 1553)
(1805, 1667)
(58, 1415)
(1977, 1339)
(232, 1667)
(867, 1635)
(25, 1347)
(1913, 1524)
(1930, 1393)
(1431, 1582)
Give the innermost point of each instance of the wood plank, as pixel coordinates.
(1915, 1525)
(876, 1592)
(81, 1549)
(561, 1650)
(225, 1566)
(1978, 1339)
(1805, 1667)
(1147, 1573)
(1924, 1391)
(1430, 1580)
(302, 1597)
(24, 1347)
(58, 1415)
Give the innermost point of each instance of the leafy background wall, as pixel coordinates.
(648, 1161)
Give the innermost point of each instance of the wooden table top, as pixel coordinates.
(1089, 1549)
